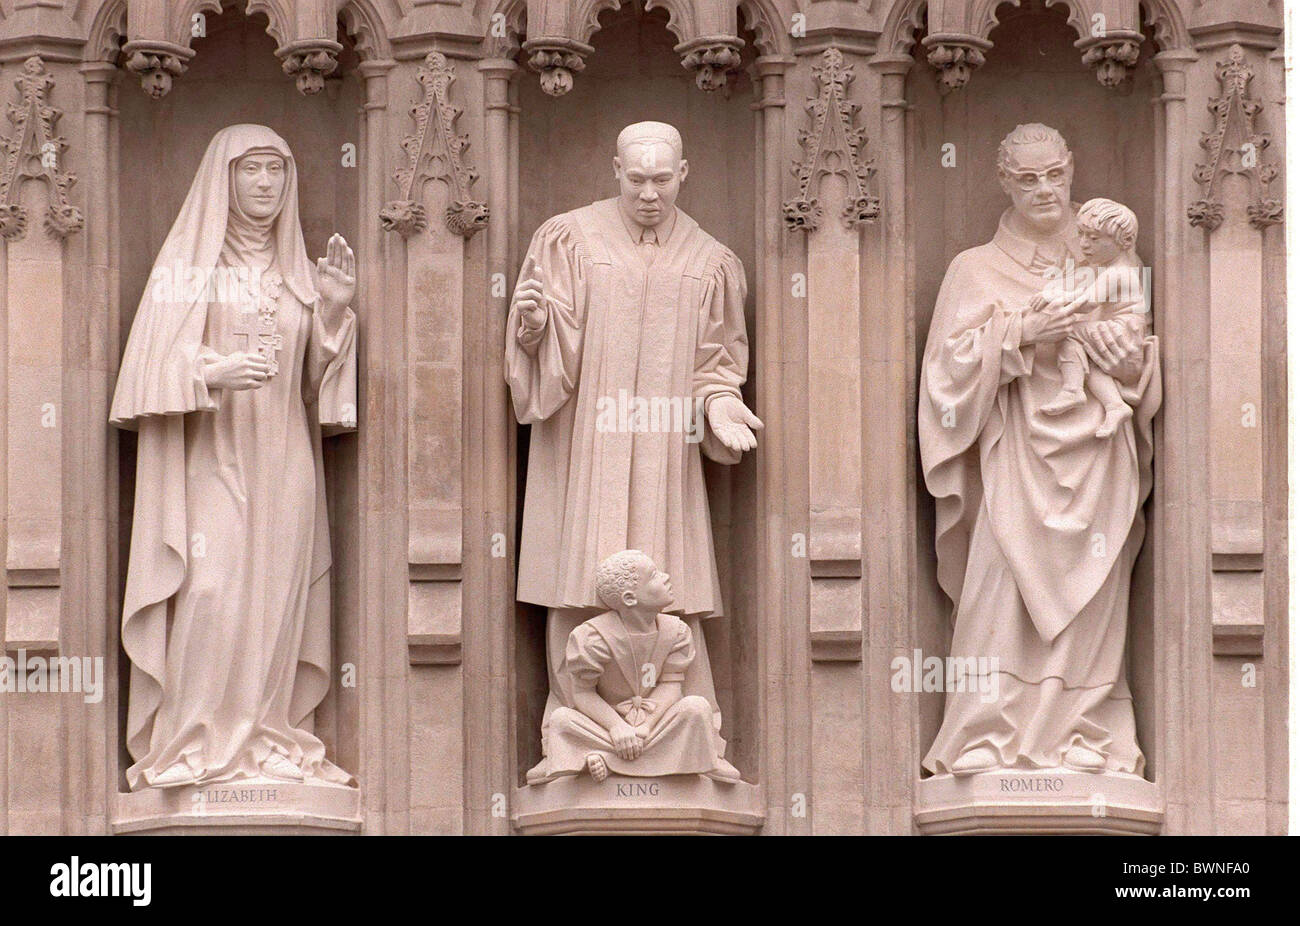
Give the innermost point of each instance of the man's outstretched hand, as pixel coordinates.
(733, 423)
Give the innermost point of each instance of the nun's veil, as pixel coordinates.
(159, 374)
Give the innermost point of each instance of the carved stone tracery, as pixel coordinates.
(1234, 146)
(434, 152)
(33, 151)
(159, 33)
(832, 146)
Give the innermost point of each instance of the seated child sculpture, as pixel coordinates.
(622, 707)
(1113, 289)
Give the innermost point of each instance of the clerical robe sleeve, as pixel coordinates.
(330, 376)
(680, 656)
(586, 657)
(973, 349)
(543, 370)
(721, 344)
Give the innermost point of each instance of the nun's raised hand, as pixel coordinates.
(336, 276)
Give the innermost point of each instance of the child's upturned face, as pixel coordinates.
(1098, 247)
(656, 589)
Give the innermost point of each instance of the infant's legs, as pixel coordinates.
(1104, 388)
(1073, 360)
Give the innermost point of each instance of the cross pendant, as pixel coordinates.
(262, 337)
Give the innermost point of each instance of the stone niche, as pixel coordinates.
(1031, 74)
(565, 149)
(235, 77)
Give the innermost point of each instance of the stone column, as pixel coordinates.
(889, 372)
(782, 602)
(1179, 529)
(490, 681)
(376, 708)
(96, 471)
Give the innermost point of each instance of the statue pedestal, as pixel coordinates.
(249, 806)
(1010, 801)
(675, 804)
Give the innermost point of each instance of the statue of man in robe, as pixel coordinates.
(240, 353)
(626, 303)
(1038, 518)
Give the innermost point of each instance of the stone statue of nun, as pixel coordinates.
(239, 355)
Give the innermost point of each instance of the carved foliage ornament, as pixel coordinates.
(556, 65)
(558, 34)
(954, 57)
(434, 153)
(832, 146)
(156, 64)
(32, 151)
(1113, 59)
(309, 63)
(1235, 147)
(712, 59)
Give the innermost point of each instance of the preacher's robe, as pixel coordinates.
(672, 328)
(1038, 521)
(663, 321)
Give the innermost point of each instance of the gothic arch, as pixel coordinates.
(905, 17)
(279, 18)
(369, 23)
(515, 14)
(769, 21)
(105, 31)
(984, 16)
(1166, 19)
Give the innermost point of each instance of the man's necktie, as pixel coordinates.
(649, 245)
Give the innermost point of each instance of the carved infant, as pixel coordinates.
(622, 705)
(1111, 288)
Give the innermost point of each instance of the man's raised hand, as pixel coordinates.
(529, 303)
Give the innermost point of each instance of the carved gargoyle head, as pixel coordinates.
(404, 216)
(61, 221)
(1205, 213)
(801, 214)
(860, 210)
(13, 221)
(467, 217)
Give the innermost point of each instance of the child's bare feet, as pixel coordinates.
(1065, 400)
(1115, 415)
(596, 765)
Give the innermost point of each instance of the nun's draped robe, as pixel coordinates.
(1038, 521)
(227, 613)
